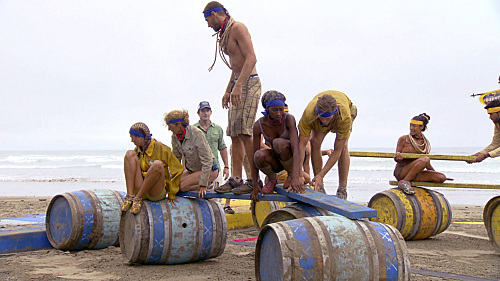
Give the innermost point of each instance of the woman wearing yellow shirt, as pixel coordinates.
(151, 170)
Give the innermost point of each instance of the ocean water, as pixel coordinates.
(47, 173)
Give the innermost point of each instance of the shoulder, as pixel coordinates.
(402, 138)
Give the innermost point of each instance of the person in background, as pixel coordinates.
(243, 91)
(215, 139)
(419, 169)
(151, 170)
(279, 131)
(493, 149)
(329, 111)
(189, 142)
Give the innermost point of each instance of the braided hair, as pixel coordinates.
(142, 128)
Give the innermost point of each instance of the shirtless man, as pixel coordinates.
(243, 91)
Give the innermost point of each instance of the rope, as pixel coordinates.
(221, 43)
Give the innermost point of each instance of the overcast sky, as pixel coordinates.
(78, 74)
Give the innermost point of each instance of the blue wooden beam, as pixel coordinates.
(230, 195)
(331, 203)
(23, 234)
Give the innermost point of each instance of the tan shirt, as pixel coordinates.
(494, 148)
(196, 153)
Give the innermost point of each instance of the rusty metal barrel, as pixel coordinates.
(193, 230)
(330, 248)
(419, 216)
(491, 218)
(84, 219)
(295, 211)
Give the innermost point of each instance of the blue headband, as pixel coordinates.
(215, 10)
(176, 120)
(272, 103)
(326, 114)
(139, 134)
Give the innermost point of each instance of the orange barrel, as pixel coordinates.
(418, 216)
(330, 248)
(84, 219)
(261, 209)
(491, 218)
(295, 211)
(193, 230)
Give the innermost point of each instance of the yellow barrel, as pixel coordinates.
(419, 216)
(491, 217)
(261, 209)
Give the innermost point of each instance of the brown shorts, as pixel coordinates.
(241, 118)
(397, 172)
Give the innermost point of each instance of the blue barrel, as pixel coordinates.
(84, 219)
(331, 248)
(295, 211)
(193, 230)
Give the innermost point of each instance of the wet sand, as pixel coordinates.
(463, 249)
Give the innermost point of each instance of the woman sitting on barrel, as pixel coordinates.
(419, 169)
(151, 170)
(280, 133)
(190, 143)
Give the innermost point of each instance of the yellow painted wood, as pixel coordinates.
(261, 209)
(428, 214)
(491, 218)
(418, 216)
(408, 212)
(239, 220)
(411, 156)
(453, 185)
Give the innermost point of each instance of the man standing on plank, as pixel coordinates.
(243, 91)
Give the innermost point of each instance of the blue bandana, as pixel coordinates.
(138, 134)
(326, 114)
(207, 13)
(272, 103)
(176, 120)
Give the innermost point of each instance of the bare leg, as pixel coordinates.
(316, 140)
(190, 181)
(133, 175)
(154, 181)
(343, 166)
(237, 155)
(247, 145)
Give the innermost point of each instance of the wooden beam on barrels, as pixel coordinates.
(412, 156)
(449, 184)
(230, 195)
(329, 202)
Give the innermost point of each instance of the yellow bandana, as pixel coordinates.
(493, 109)
(417, 122)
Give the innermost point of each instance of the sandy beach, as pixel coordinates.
(463, 249)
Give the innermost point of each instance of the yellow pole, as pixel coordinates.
(453, 185)
(411, 156)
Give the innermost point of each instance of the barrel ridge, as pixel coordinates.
(97, 229)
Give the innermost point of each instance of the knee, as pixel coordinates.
(441, 178)
(258, 158)
(280, 145)
(130, 154)
(424, 160)
(157, 166)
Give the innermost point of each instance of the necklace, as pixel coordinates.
(423, 148)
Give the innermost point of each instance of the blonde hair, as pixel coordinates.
(177, 114)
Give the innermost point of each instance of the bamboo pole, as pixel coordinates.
(412, 156)
(453, 185)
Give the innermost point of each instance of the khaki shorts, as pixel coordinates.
(241, 118)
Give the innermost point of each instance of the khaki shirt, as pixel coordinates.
(342, 125)
(173, 168)
(494, 148)
(196, 152)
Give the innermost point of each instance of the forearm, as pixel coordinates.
(223, 155)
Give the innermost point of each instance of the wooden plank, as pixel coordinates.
(412, 156)
(230, 195)
(449, 184)
(331, 203)
(23, 234)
